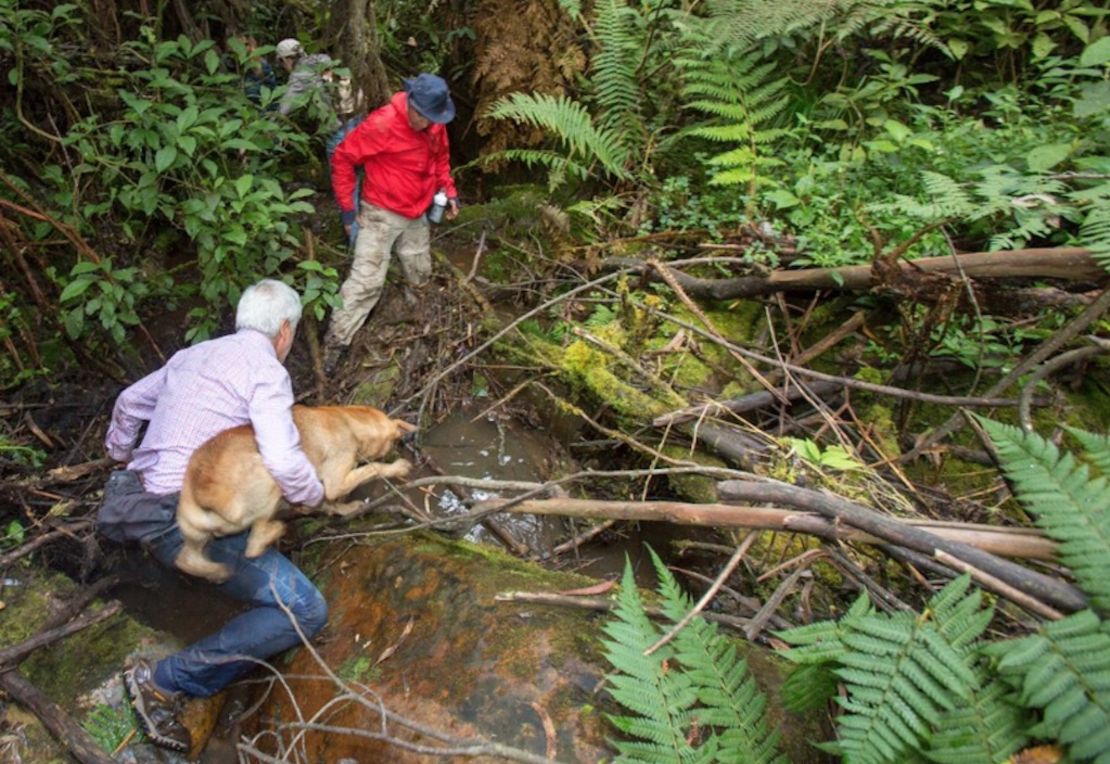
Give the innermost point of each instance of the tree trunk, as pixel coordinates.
(353, 37)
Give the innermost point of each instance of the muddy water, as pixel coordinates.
(473, 445)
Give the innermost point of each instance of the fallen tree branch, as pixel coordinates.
(66, 530)
(1067, 263)
(1025, 400)
(1045, 350)
(11, 656)
(603, 605)
(1054, 592)
(79, 743)
(750, 402)
(987, 581)
(1012, 542)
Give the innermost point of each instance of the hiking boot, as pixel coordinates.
(332, 353)
(156, 709)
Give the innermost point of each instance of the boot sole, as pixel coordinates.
(135, 696)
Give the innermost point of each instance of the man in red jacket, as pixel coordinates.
(403, 152)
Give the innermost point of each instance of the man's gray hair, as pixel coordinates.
(265, 305)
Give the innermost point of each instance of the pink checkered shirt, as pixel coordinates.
(204, 390)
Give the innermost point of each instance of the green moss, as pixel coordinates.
(590, 368)
(358, 668)
(82, 661)
(377, 387)
(700, 489)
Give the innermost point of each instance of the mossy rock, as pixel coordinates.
(417, 621)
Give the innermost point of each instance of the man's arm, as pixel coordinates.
(441, 163)
(359, 145)
(134, 406)
(271, 413)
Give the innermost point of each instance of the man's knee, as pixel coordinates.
(311, 612)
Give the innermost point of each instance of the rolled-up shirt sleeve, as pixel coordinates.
(271, 414)
(134, 406)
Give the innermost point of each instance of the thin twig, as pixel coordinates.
(710, 593)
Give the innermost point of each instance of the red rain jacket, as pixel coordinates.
(403, 168)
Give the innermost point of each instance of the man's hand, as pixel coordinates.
(452, 208)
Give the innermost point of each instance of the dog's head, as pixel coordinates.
(377, 433)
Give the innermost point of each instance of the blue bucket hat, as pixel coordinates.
(428, 95)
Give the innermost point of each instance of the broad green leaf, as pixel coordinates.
(1097, 53)
(165, 157)
(1042, 45)
(75, 289)
(1046, 157)
(211, 61)
(958, 47)
(1094, 98)
(243, 184)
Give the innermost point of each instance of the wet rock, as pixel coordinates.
(414, 626)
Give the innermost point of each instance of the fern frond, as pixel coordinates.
(987, 729)
(661, 697)
(808, 687)
(617, 92)
(1096, 449)
(1065, 670)
(741, 91)
(1066, 502)
(731, 701)
(1095, 235)
(570, 123)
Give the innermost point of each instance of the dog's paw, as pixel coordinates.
(400, 468)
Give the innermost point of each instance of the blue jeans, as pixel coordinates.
(206, 667)
(129, 513)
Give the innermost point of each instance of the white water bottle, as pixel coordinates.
(439, 206)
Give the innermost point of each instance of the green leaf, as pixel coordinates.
(958, 48)
(74, 322)
(1097, 53)
(243, 184)
(75, 289)
(164, 158)
(1046, 157)
(211, 61)
(782, 199)
(1094, 98)
(1042, 45)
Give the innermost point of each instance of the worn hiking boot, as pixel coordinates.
(156, 709)
(332, 354)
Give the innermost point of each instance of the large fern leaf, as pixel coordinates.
(744, 96)
(903, 672)
(661, 698)
(1096, 449)
(731, 702)
(613, 68)
(571, 125)
(986, 729)
(1065, 670)
(1066, 502)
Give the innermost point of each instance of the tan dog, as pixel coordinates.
(228, 489)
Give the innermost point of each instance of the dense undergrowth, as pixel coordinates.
(138, 181)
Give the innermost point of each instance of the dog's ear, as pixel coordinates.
(403, 426)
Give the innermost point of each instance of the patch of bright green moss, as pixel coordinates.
(700, 489)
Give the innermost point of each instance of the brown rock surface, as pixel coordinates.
(413, 622)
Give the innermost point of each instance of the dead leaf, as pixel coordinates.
(1038, 754)
(393, 648)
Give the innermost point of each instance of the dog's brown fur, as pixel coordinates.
(228, 489)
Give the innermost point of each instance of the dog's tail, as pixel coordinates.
(191, 559)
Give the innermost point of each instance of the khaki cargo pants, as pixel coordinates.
(379, 232)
